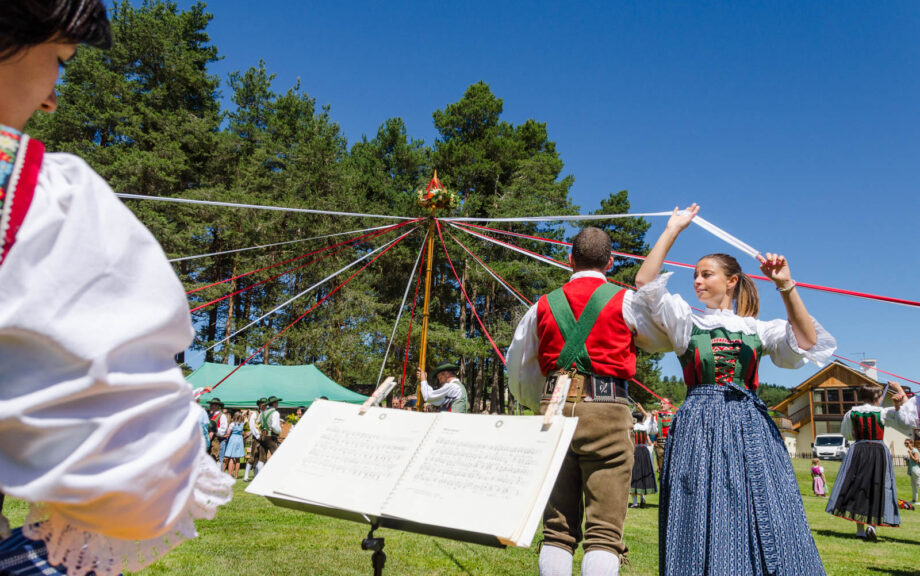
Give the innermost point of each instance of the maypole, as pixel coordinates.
(434, 197)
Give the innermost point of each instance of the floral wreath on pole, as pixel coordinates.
(436, 197)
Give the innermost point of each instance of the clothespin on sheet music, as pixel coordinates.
(557, 400)
(379, 394)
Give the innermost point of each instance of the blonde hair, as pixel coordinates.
(744, 295)
(815, 461)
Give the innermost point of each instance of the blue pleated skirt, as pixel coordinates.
(730, 503)
(20, 556)
(865, 489)
(235, 447)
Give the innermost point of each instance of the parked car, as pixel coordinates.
(829, 447)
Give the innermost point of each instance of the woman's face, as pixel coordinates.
(27, 81)
(711, 285)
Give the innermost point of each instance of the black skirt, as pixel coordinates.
(865, 489)
(643, 475)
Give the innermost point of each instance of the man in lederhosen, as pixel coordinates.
(255, 447)
(270, 428)
(586, 329)
(663, 418)
(450, 395)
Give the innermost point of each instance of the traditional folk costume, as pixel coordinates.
(865, 490)
(235, 446)
(817, 481)
(663, 419)
(269, 429)
(451, 397)
(98, 429)
(255, 445)
(730, 503)
(587, 324)
(643, 475)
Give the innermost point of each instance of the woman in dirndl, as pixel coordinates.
(730, 503)
(643, 475)
(865, 490)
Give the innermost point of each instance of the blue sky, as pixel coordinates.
(793, 124)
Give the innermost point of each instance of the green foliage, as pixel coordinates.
(147, 115)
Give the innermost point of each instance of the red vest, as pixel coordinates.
(610, 344)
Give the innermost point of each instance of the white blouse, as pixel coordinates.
(908, 417)
(98, 427)
(888, 417)
(675, 317)
(648, 424)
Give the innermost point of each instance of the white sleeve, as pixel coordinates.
(647, 334)
(846, 427)
(668, 313)
(908, 416)
(891, 417)
(254, 427)
(780, 344)
(651, 425)
(99, 431)
(525, 380)
(223, 425)
(276, 422)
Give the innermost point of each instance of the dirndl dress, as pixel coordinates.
(235, 446)
(730, 502)
(817, 481)
(865, 489)
(643, 474)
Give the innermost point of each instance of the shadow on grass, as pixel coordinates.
(882, 537)
(892, 571)
(453, 559)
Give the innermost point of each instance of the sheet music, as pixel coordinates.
(347, 460)
(476, 472)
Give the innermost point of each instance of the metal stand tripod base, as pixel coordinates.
(379, 558)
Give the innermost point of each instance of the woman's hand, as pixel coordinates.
(680, 219)
(776, 268)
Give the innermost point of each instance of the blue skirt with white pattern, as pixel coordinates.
(730, 503)
(20, 556)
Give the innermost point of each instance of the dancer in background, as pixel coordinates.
(663, 417)
(865, 490)
(818, 479)
(730, 502)
(643, 475)
(236, 449)
(99, 431)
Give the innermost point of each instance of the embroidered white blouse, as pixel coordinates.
(676, 319)
(98, 428)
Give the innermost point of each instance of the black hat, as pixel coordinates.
(446, 366)
(217, 401)
(273, 399)
(261, 401)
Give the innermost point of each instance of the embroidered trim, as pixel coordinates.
(21, 178)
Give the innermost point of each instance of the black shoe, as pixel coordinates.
(642, 504)
(871, 536)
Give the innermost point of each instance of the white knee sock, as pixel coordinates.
(246, 473)
(860, 529)
(634, 499)
(555, 561)
(258, 468)
(600, 563)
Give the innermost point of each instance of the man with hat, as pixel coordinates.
(269, 429)
(450, 396)
(255, 448)
(584, 329)
(220, 425)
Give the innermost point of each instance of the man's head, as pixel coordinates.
(261, 402)
(215, 405)
(445, 373)
(273, 401)
(591, 250)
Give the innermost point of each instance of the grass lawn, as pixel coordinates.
(250, 536)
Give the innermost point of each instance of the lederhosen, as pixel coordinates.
(255, 445)
(269, 438)
(664, 427)
(215, 440)
(593, 483)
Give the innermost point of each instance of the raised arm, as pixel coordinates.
(776, 268)
(676, 224)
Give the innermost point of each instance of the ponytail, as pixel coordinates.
(747, 300)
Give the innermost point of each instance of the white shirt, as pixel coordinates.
(908, 416)
(450, 391)
(648, 425)
(254, 425)
(676, 319)
(274, 420)
(97, 423)
(525, 380)
(223, 424)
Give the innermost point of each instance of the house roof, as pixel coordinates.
(821, 376)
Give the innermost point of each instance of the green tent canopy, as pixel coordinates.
(295, 385)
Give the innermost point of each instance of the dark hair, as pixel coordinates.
(591, 249)
(870, 393)
(27, 23)
(745, 296)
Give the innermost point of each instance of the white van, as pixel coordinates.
(829, 447)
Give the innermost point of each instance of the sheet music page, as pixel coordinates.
(480, 473)
(339, 458)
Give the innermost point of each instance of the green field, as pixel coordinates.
(250, 536)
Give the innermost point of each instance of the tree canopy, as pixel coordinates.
(147, 116)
